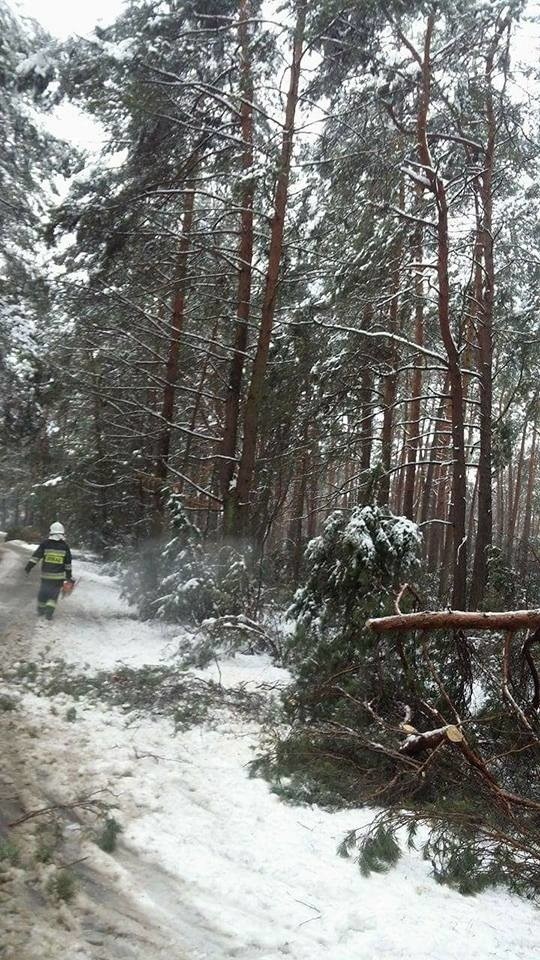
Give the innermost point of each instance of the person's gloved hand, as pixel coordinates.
(29, 566)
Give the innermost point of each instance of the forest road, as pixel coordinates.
(143, 919)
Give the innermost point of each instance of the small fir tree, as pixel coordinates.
(354, 568)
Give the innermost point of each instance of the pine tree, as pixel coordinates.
(30, 158)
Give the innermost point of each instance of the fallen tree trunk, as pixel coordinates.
(439, 619)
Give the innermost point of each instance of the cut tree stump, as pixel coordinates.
(418, 742)
(510, 620)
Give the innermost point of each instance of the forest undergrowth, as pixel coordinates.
(438, 732)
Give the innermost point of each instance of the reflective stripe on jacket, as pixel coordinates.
(55, 557)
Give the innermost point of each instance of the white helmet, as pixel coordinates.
(57, 529)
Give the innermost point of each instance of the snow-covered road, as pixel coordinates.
(210, 864)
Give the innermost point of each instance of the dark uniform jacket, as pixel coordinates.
(55, 557)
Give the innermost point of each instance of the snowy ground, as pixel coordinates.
(210, 865)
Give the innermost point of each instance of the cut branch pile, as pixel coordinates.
(442, 730)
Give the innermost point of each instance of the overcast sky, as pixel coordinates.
(63, 17)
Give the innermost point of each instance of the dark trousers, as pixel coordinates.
(47, 597)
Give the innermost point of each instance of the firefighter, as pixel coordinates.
(55, 557)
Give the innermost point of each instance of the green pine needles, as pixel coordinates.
(378, 851)
(354, 568)
(107, 839)
(180, 578)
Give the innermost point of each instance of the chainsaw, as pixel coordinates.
(68, 587)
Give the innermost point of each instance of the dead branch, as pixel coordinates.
(527, 657)
(405, 588)
(84, 803)
(506, 683)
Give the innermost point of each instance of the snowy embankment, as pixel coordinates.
(212, 857)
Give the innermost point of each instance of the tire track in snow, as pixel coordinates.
(105, 922)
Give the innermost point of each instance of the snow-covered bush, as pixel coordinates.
(354, 566)
(223, 637)
(181, 578)
(354, 569)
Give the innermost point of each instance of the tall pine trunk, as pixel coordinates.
(514, 492)
(438, 189)
(413, 426)
(433, 449)
(390, 391)
(527, 519)
(245, 258)
(173, 355)
(246, 469)
(366, 408)
(484, 532)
